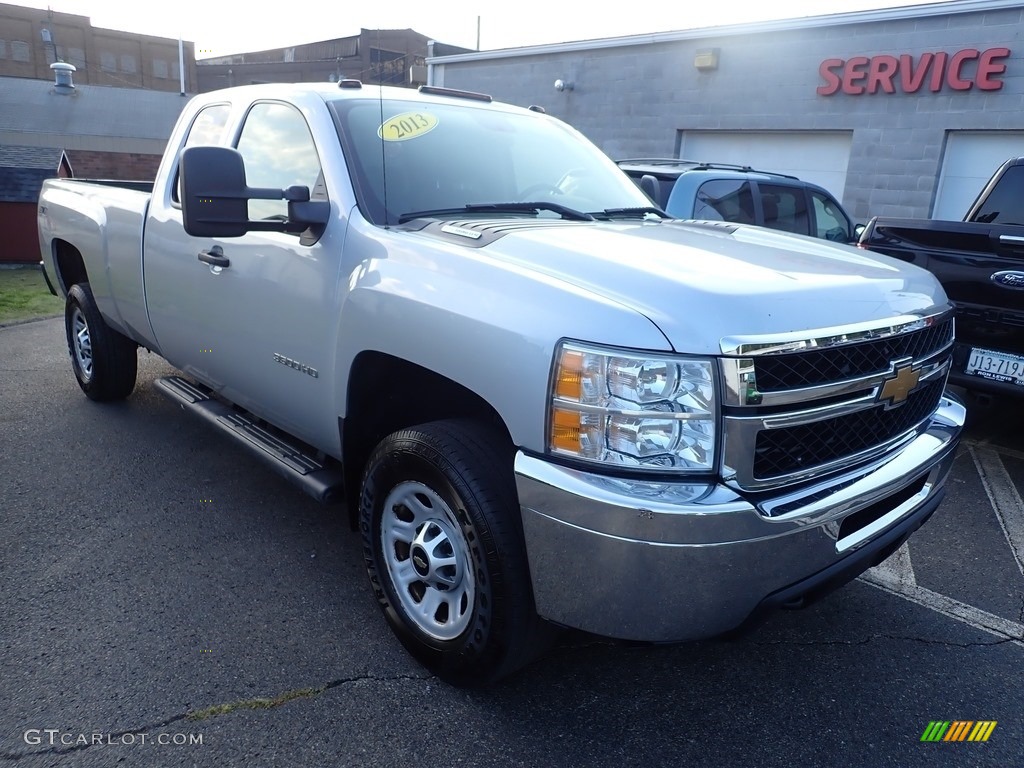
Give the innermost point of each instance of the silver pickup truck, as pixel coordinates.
(543, 403)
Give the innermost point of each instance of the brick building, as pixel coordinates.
(899, 112)
(392, 56)
(31, 40)
(102, 132)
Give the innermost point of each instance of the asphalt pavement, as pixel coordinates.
(167, 601)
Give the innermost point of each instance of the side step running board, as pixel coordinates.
(291, 462)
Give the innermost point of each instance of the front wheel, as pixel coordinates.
(444, 551)
(105, 362)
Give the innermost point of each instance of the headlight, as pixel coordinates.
(632, 409)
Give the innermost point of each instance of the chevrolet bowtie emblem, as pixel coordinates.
(898, 387)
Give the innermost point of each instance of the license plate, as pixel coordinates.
(996, 366)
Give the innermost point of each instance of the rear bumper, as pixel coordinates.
(667, 562)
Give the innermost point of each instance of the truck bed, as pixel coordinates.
(103, 219)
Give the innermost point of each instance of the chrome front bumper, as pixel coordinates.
(667, 562)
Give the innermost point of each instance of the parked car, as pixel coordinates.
(721, 192)
(980, 262)
(543, 403)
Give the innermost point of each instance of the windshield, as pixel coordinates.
(448, 156)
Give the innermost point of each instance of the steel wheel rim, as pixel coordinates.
(427, 559)
(82, 343)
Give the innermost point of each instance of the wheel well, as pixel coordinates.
(386, 394)
(69, 263)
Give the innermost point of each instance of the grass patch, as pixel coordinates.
(24, 295)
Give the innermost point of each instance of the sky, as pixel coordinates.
(219, 27)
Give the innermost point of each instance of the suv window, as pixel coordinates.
(725, 200)
(829, 221)
(785, 208)
(279, 152)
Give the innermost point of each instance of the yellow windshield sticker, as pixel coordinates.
(408, 125)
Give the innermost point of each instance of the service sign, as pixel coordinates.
(962, 70)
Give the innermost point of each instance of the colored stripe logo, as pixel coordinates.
(958, 730)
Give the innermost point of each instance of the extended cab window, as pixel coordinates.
(725, 200)
(278, 151)
(785, 208)
(207, 128)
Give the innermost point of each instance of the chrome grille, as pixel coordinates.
(821, 366)
(798, 406)
(781, 452)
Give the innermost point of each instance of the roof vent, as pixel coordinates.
(62, 73)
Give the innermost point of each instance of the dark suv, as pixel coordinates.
(716, 191)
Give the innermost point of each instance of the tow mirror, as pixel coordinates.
(215, 197)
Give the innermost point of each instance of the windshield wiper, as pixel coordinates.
(532, 207)
(629, 213)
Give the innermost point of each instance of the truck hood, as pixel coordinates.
(702, 282)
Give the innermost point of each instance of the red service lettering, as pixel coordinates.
(961, 71)
(938, 64)
(880, 73)
(854, 73)
(988, 68)
(912, 77)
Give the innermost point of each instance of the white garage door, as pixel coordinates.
(820, 157)
(969, 161)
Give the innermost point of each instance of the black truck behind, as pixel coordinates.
(980, 262)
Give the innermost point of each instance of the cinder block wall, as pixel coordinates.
(633, 101)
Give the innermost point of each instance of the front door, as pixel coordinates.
(262, 330)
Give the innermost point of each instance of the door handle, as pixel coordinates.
(215, 257)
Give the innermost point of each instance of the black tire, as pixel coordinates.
(449, 488)
(104, 361)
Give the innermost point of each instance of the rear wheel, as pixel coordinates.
(444, 551)
(104, 361)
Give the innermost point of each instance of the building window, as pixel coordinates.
(76, 56)
(128, 63)
(159, 68)
(20, 51)
(387, 67)
(3, 49)
(108, 62)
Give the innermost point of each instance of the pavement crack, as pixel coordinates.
(202, 715)
(283, 698)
